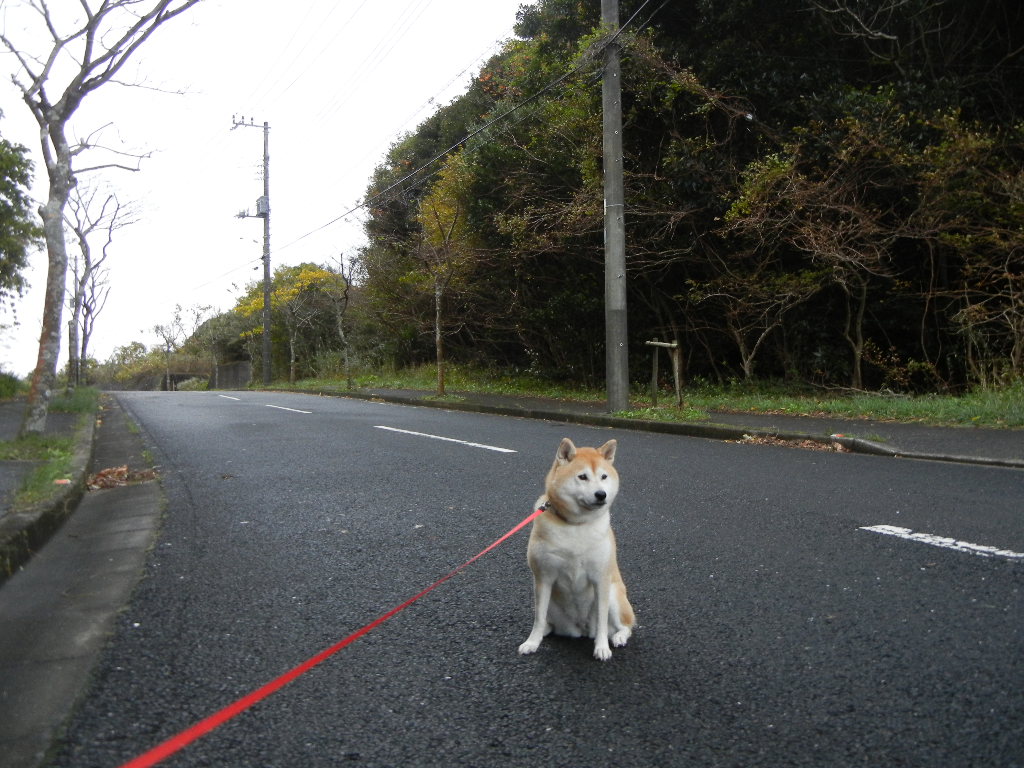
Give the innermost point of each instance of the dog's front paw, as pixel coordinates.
(619, 638)
(528, 647)
(602, 652)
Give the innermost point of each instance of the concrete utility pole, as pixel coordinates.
(263, 212)
(616, 342)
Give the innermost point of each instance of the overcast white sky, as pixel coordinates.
(339, 81)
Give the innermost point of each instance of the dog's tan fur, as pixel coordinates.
(578, 589)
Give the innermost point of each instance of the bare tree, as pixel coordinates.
(85, 218)
(170, 335)
(337, 295)
(93, 300)
(752, 298)
(108, 33)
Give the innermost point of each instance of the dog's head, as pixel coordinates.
(583, 480)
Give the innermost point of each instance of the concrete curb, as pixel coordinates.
(688, 429)
(24, 531)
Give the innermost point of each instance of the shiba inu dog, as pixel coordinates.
(578, 590)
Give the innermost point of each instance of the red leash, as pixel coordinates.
(184, 738)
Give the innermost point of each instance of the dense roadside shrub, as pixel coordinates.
(10, 385)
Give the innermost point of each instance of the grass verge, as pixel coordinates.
(989, 408)
(54, 453)
(999, 408)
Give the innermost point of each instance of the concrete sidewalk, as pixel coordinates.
(24, 530)
(57, 610)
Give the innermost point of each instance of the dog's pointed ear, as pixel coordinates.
(608, 450)
(566, 451)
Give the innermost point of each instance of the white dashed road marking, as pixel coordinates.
(282, 408)
(942, 541)
(449, 440)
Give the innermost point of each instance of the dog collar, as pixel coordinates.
(547, 506)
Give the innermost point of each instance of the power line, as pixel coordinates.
(329, 44)
(557, 81)
(392, 136)
(247, 264)
(315, 61)
(356, 80)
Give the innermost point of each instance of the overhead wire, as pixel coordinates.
(506, 115)
(355, 78)
(585, 61)
(285, 49)
(396, 33)
(213, 280)
(392, 136)
(329, 44)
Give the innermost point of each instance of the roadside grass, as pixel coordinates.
(10, 385)
(54, 452)
(989, 408)
(83, 400)
(999, 408)
(457, 379)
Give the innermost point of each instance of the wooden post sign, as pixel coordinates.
(677, 370)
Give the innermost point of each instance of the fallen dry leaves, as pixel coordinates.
(113, 477)
(807, 445)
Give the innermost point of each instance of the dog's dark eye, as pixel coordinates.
(583, 476)
(604, 477)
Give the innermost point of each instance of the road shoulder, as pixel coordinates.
(58, 611)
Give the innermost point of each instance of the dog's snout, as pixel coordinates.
(600, 495)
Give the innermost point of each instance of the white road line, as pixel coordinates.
(229, 397)
(942, 541)
(282, 408)
(448, 439)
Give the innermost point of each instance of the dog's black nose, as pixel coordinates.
(600, 495)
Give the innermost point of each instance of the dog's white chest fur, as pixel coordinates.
(577, 586)
(576, 565)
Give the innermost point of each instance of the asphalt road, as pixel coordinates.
(773, 630)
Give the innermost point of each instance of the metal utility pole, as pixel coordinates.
(263, 212)
(616, 342)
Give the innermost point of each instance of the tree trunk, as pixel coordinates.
(74, 365)
(854, 331)
(292, 334)
(439, 336)
(45, 374)
(346, 362)
(167, 371)
(75, 323)
(83, 355)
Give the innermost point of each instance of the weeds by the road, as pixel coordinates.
(53, 453)
(990, 408)
(56, 454)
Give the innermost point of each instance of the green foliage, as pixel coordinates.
(19, 230)
(812, 196)
(460, 377)
(666, 413)
(307, 302)
(1002, 407)
(10, 385)
(53, 453)
(998, 408)
(192, 385)
(35, 448)
(82, 400)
